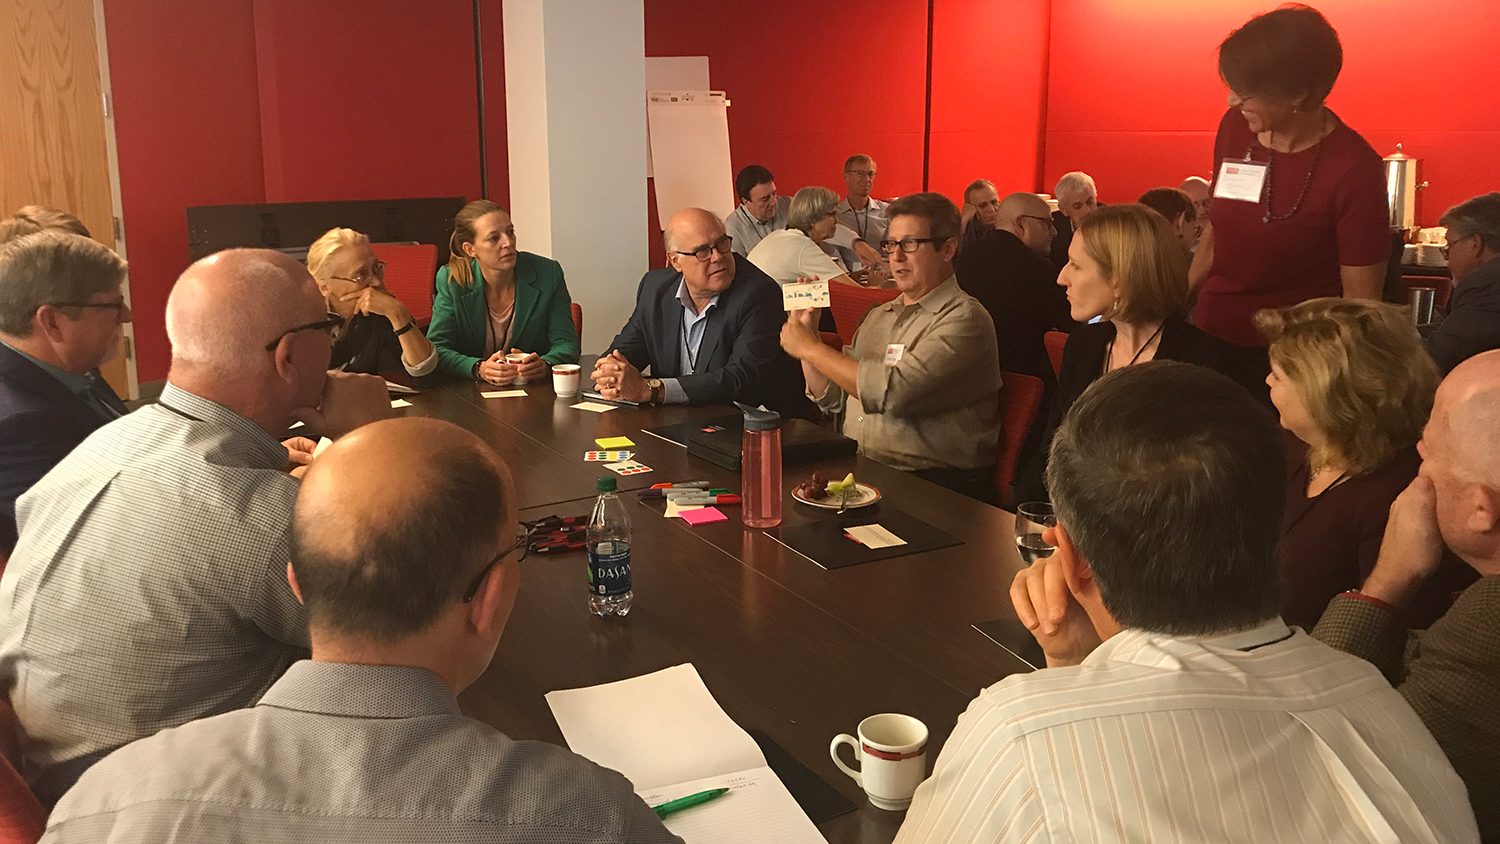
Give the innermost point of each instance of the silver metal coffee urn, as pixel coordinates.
(1401, 188)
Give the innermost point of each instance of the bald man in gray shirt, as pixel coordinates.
(365, 742)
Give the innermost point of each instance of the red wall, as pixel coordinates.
(242, 101)
(1134, 95)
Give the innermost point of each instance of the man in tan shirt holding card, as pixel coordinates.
(922, 378)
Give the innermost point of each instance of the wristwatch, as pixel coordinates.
(658, 391)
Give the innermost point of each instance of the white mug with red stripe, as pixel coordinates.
(892, 754)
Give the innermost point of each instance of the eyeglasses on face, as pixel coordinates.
(867, 174)
(722, 246)
(376, 273)
(1452, 240)
(328, 323)
(1045, 220)
(907, 244)
(121, 308)
(523, 542)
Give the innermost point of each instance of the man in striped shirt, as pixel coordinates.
(1176, 706)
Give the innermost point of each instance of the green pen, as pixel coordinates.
(688, 802)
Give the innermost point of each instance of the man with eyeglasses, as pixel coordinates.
(61, 312)
(858, 210)
(762, 211)
(365, 740)
(1009, 273)
(706, 328)
(1473, 252)
(148, 586)
(920, 385)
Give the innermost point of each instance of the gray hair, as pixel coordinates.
(49, 267)
(1479, 215)
(810, 205)
(1075, 182)
(1176, 505)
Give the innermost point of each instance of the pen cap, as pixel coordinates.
(605, 484)
(759, 420)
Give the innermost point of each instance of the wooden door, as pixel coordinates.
(56, 147)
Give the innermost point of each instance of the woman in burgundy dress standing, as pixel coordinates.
(1299, 206)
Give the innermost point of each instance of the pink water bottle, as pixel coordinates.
(760, 469)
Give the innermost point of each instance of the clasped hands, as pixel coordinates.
(496, 370)
(617, 379)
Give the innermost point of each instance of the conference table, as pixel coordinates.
(793, 653)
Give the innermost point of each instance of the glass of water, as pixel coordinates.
(1032, 518)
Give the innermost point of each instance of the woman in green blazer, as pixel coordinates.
(493, 299)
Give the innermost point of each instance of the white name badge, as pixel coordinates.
(893, 353)
(1241, 180)
(807, 294)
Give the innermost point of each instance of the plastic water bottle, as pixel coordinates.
(609, 554)
(760, 468)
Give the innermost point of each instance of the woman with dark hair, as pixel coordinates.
(493, 299)
(1299, 208)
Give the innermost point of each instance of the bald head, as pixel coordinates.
(691, 227)
(1467, 409)
(379, 560)
(1027, 216)
(1198, 190)
(225, 308)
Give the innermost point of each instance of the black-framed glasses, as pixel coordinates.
(121, 308)
(1047, 220)
(523, 542)
(1449, 245)
(907, 244)
(723, 246)
(377, 273)
(328, 323)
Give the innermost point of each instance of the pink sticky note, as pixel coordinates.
(703, 516)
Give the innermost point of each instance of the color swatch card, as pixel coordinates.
(593, 407)
(614, 442)
(628, 467)
(607, 456)
(501, 394)
(804, 294)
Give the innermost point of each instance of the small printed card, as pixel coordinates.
(607, 456)
(614, 442)
(703, 516)
(501, 394)
(675, 510)
(593, 407)
(629, 467)
(797, 295)
(322, 446)
(400, 403)
(874, 536)
(894, 353)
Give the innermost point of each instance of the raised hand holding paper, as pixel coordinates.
(798, 295)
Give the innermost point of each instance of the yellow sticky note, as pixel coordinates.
(614, 442)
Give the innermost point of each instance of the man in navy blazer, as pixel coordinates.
(61, 311)
(708, 328)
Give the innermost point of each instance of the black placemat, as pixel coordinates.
(1013, 638)
(817, 798)
(677, 433)
(824, 542)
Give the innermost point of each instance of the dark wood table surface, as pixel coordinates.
(787, 648)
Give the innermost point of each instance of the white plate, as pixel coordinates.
(863, 496)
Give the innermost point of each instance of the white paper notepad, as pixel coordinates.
(668, 736)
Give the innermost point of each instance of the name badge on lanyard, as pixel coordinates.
(1241, 180)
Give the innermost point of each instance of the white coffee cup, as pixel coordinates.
(565, 378)
(892, 755)
(516, 359)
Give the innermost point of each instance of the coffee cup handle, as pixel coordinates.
(833, 750)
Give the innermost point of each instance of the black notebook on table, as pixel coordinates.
(824, 542)
(801, 442)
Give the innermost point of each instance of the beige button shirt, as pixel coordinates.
(935, 402)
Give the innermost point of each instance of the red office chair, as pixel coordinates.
(577, 311)
(22, 818)
(1020, 399)
(1055, 341)
(409, 272)
(832, 340)
(850, 302)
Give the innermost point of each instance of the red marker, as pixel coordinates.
(697, 500)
